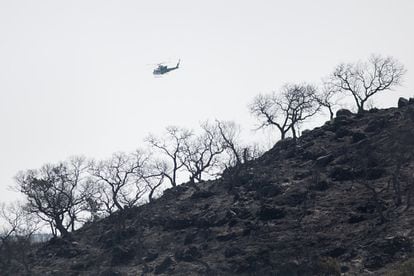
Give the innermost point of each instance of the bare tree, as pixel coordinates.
(200, 154)
(287, 110)
(328, 97)
(120, 180)
(56, 193)
(270, 113)
(16, 221)
(16, 232)
(154, 177)
(238, 153)
(365, 79)
(170, 148)
(300, 104)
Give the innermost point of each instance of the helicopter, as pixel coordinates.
(163, 69)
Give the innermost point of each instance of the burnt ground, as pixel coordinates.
(323, 204)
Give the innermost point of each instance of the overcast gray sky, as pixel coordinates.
(74, 75)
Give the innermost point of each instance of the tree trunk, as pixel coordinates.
(361, 107)
(116, 202)
(294, 133)
(331, 114)
(59, 226)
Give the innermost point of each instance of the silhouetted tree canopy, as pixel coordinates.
(362, 80)
(286, 110)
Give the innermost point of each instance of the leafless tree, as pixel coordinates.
(16, 221)
(365, 79)
(229, 133)
(200, 154)
(154, 177)
(170, 146)
(16, 231)
(328, 97)
(120, 180)
(287, 110)
(56, 193)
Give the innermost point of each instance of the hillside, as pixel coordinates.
(333, 201)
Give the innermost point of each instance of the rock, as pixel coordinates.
(375, 173)
(324, 160)
(403, 102)
(121, 254)
(109, 272)
(336, 252)
(269, 212)
(342, 132)
(355, 218)
(344, 268)
(187, 254)
(411, 101)
(307, 155)
(341, 121)
(344, 112)
(151, 255)
(210, 219)
(341, 174)
(201, 194)
(285, 143)
(178, 223)
(358, 136)
(302, 174)
(241, 212)
(321, 185)
(226, 236)
(392, 245)
(269, 190)
(163, 266)
(384, 250)
(67, 252)
(306, 132)
(295, 197)
(232, 251)
(375, 125)
(366, 208)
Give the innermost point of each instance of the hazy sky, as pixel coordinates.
(75, 79)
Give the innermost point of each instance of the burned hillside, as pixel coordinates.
(336, 200)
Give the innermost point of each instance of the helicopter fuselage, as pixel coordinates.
(162, 69)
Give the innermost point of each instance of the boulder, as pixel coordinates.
(375, 125)
(151, 256)
(232, 251)
(358, 136)
(122, 254)
(187, 254)
(340, 173)
(403, 102)
(175, 223)
(344, 112)
(164, 266)
(270, 212)
(342, 132)
(109, 272)
(375, 173)
(201, 194)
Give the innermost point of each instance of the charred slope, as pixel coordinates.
(323, 204)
